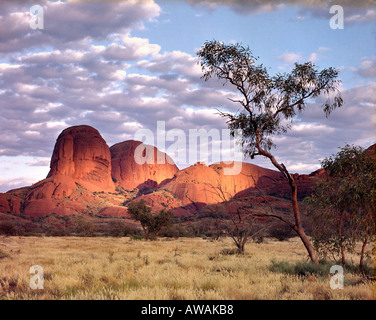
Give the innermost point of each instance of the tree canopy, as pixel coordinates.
(343, 206)
(151, 223)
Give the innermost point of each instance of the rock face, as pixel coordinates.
(80, 157)
(135, 165)
(12, 201)
(201, 184)
(43, 197)
(81, 154)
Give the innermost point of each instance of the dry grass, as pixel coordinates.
(118, 268)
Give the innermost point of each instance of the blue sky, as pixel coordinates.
(268, 34)
(121, 66)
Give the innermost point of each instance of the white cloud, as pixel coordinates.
(71, 22)
(133, 48)
(313, 57)
(318, 54)
(367, 67)
(290, 57)
(368, 16)
(174, 61)
(357, 11)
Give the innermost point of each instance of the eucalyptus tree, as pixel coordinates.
(343, 206)
(151, 223)
(268, 104)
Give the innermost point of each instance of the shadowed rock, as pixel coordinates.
(147, 168)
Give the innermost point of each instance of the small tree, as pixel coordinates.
(151, 223)
(232, 218)
(235, 217)
(343, 206)
(268, 103)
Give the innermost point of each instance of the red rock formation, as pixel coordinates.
(195, 184)
(161, 199)
(202, 184)
(80, 156)
(114, 212)
(81, 153)
(129, 173)
(11, 202)
(4, 204)
(43, 197)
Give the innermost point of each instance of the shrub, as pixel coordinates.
(301, 268)
(173, 231)
(137, 237)
(281, 231)
(117, 229)
(7, 228)
(322, 269)
(230, 252)
(84, 227)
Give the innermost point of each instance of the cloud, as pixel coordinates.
(240, 6)
(75, 23)
(132, 48)
(62, 75)
(39, 163)
(290, 57)
(318, 54)
(368, 15)
(175, 61)
(356, 11)
(367, 68)
(14, 183)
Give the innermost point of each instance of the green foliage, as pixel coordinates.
(301, 268)
(137, 237)
(150, 223)
(342, 207)
(305, 268)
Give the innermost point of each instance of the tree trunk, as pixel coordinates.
(298, 224)
(343, 259)
(341, 240)
(361, 263)
(298, 228)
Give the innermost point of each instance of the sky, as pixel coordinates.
(122, 66)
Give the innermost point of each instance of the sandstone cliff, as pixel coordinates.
(147, 168)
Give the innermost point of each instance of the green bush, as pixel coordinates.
(308, 268)
(137, 237)
(301, 268)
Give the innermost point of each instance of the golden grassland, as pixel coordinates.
(185, 268)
